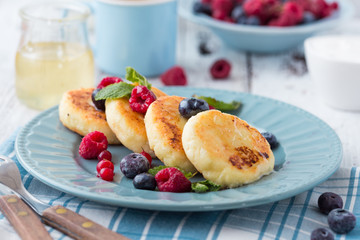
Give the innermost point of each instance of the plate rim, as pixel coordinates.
(176, 206)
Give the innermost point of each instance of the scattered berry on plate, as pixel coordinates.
(144, 181)
(341, 221)
(141, 98)
(104, 164)
(99, 104)
(191, 106)
(105, 155)
(92, 144)
(148, 157)
(172, 180)
(272, 140)
(220, 69)
(107, 81)
(174, 76)
(329, 201)
(321, 234)
(106, 174)
(134, 164)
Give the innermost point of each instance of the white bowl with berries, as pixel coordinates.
(266, 26)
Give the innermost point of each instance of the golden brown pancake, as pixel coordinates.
(77, 112)
(226, 149)
(164, 126)
(127, 124)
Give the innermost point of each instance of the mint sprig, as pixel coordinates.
(114, 91)
(220, 105)
(123, 89)
(153, 171)
(133, 76)
(205, 186)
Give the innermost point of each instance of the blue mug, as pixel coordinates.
(136, 33)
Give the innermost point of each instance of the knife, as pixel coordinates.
(59, 217)
(29, 226)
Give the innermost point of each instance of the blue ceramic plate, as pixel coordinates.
(265, 39)
(308, 154)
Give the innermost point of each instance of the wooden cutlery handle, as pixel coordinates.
(77, 226)
(23, 219)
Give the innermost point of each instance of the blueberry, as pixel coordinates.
(144, 181)
(271, 139)
(202, 8)
(341, 220)
(133, 164)
(237, 13)
(191, 106)
(241, 20)
(322, 234)
(99, 104)
(329, 201)
(252, 20)
(308, 17)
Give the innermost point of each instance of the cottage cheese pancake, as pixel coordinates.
(77, 113)
(226, 149)
(128, 125)
(164, 126)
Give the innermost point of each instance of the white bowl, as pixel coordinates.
(265, 39)
(334, 65)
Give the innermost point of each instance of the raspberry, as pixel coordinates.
(334, 5)
(104, 155)
(294, 9)
(265, 10)
(219, 15)
(107, 174)
(141, 98)
(253, 7)
(318, 8)
(148, 157)
(220, 69)
(104, 164)
(224, 6)
(174, 76)
(93, 144)
(172, 180)
(107, 81)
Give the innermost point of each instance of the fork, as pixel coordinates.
(59, 217)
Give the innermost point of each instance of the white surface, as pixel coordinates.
(281, 76)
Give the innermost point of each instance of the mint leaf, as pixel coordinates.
(220, 105)
(153, 171)
(114, 91)
(204, 186)
(133, 76)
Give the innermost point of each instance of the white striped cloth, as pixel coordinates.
(293, 218)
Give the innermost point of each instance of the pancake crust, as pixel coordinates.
(77, 112)
(164, 127)
(129, 126)
(226, 149)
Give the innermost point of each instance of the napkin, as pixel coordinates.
(293, 218)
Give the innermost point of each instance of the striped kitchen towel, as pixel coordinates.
(293, 218)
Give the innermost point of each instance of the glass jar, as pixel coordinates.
(53, 55)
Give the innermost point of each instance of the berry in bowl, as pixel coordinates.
(266, 26)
